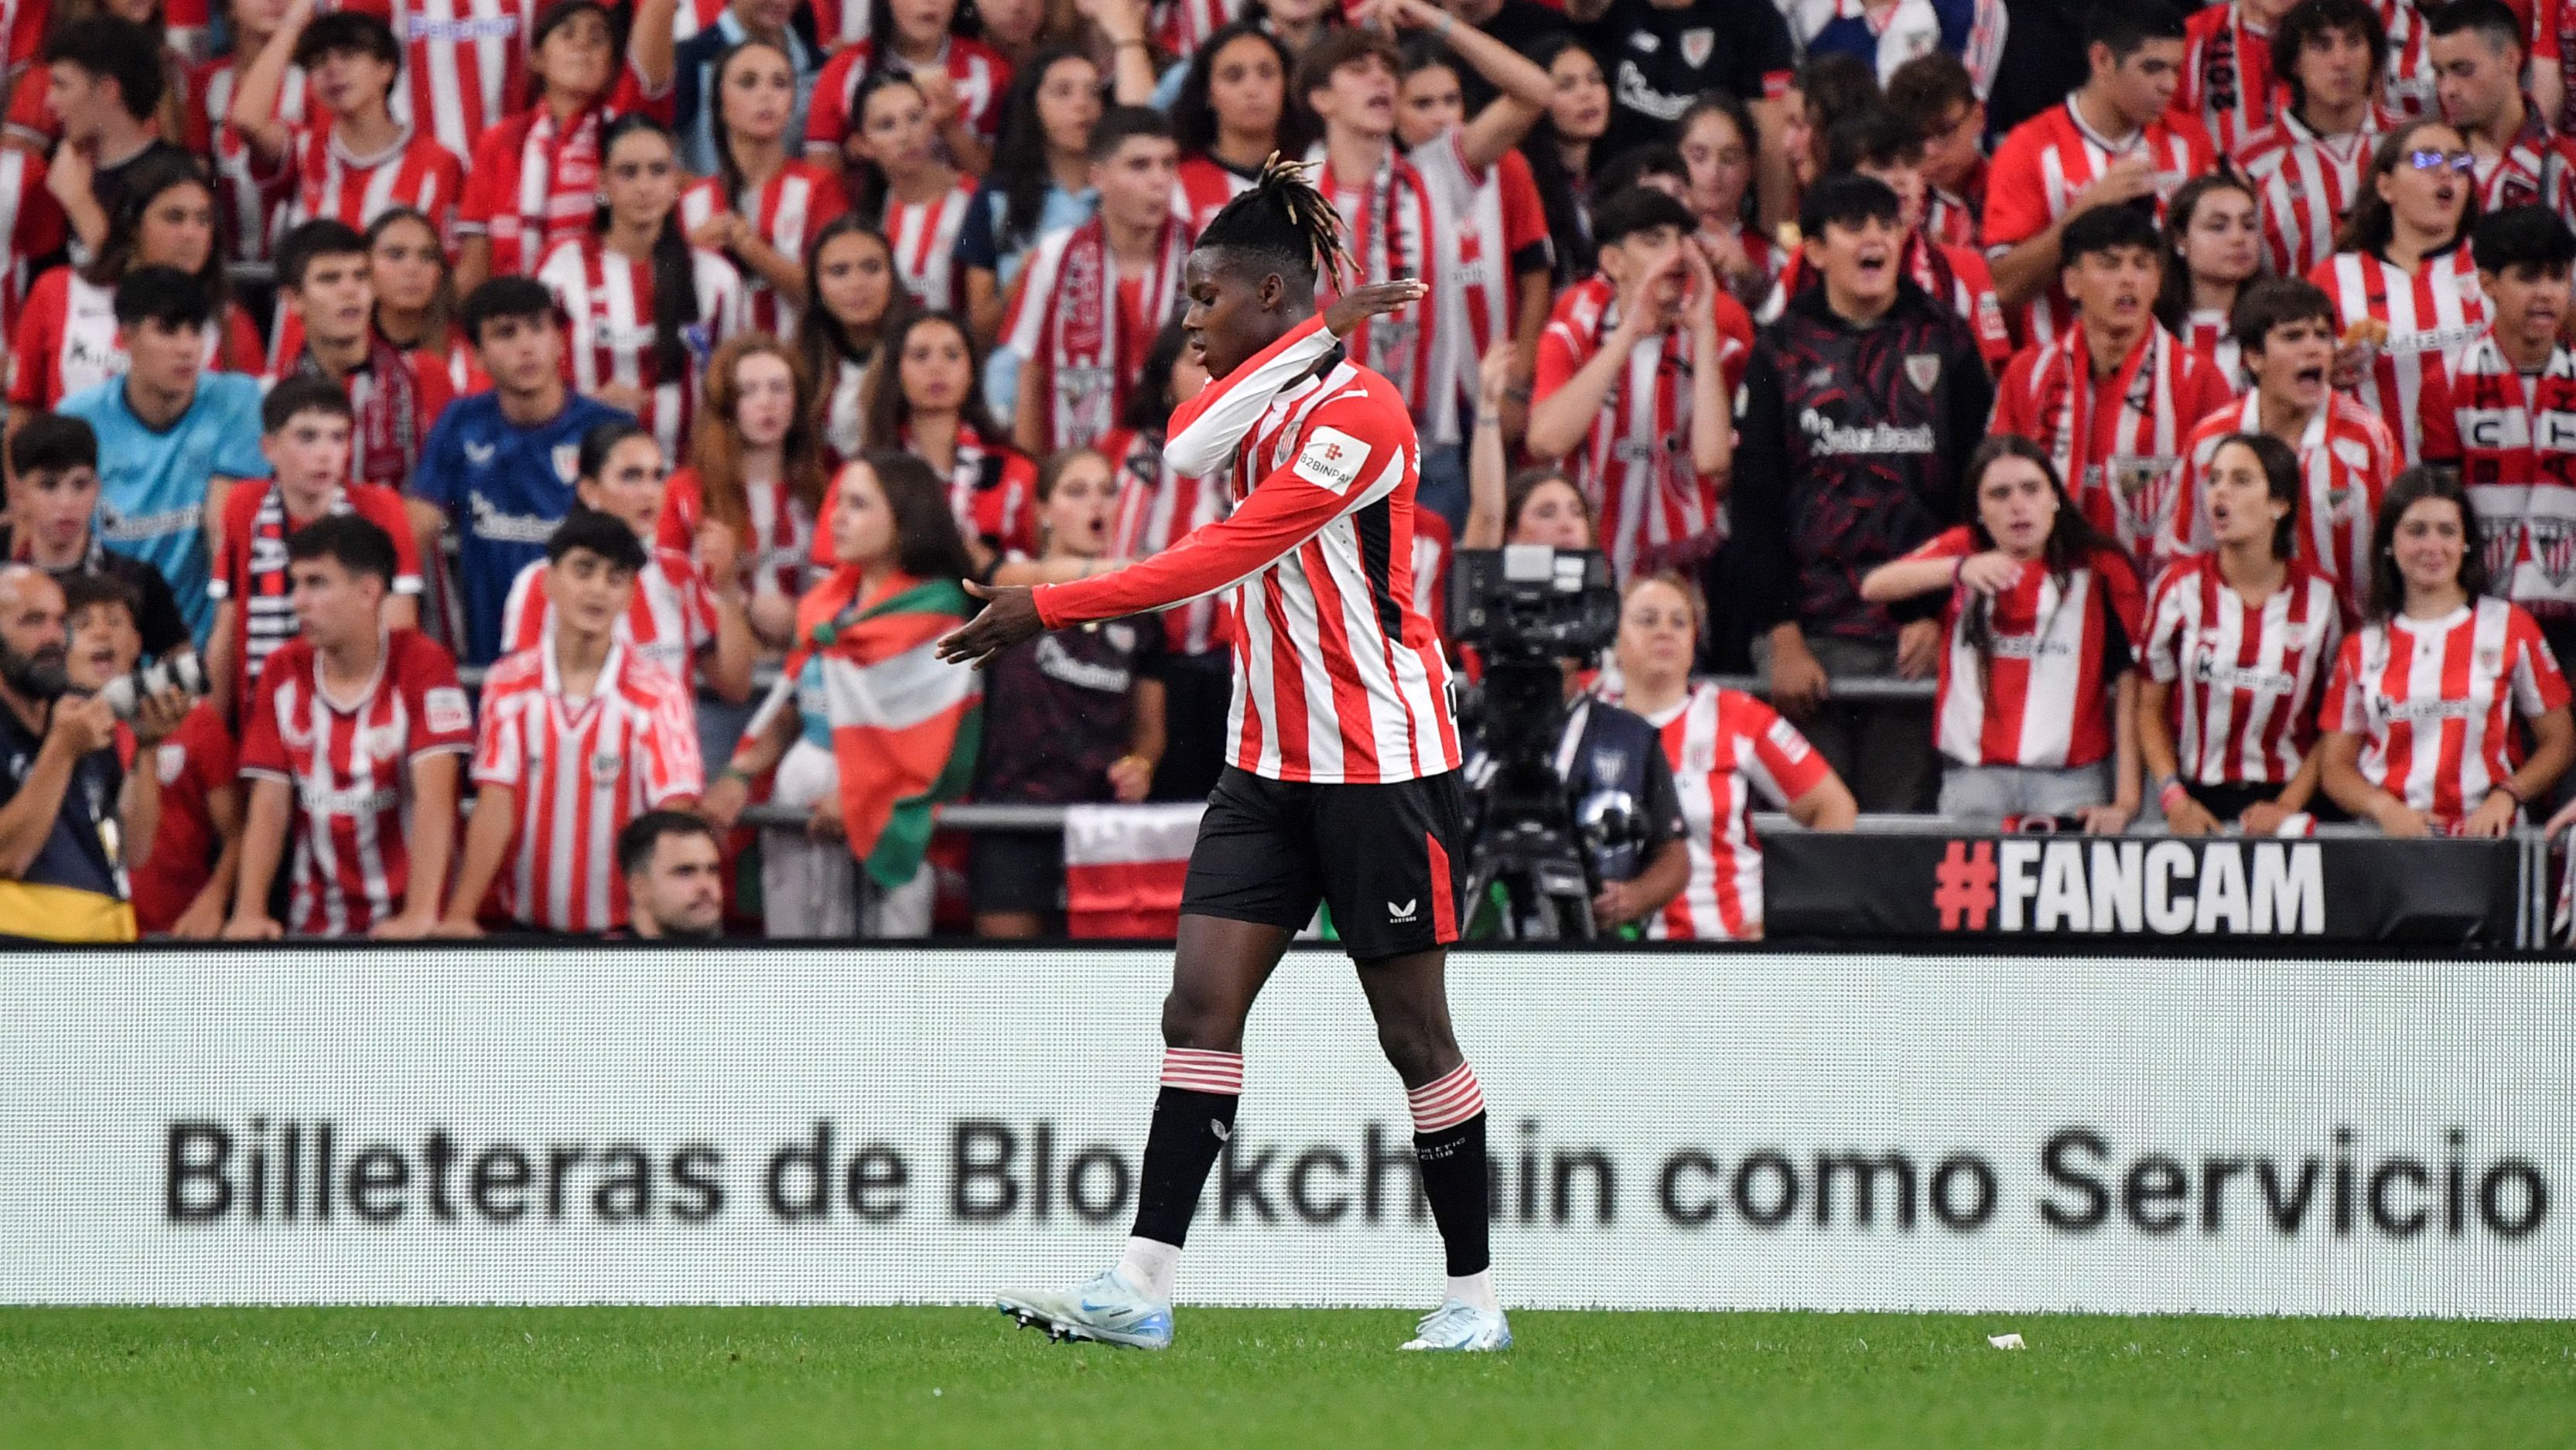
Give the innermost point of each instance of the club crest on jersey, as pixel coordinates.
(1331, 459)
(1923, 370)
(480, 455)
(568, 461)
(168, 761)
(604, 767)
(381, 742)
(1697, 45)
(2491, 661)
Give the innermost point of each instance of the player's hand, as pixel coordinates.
(1010, 616)
(1990, 573)
(1798, 681)
(84, 724)
(2191, 818)
(1130, 776)
(2263, 818)
(2108, 820)
(1918, 650)
(2493, 819)
(2123, 180)
(157, 715)
(1362, 303)
(722, 805)
(252, 928)
(2396, 818)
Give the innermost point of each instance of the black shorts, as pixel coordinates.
(1386, 858)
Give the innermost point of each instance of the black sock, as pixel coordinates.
(1453, 1179)
(1189, 1130)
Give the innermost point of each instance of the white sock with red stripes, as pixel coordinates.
(1449, 1142)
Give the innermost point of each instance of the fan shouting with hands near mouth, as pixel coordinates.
(1342, 778)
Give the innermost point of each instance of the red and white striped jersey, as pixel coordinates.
(247, 203)
(1635, 461)
(2115, 440)
(1955, 221)
(66, 341)
(608, 298)
(415, 172)
(465, 63)
(1339, 680)
(2227, 84)
(774, 545)
(31, 226)
(1182, 26)
(2244, 680)
(1156, 507)
(1395, 223)
(2046, 161)
(789, 212)
(2209, 334)
(1725, 747)
(1487, 222)
(2040, 692)
(350, 766)
(1202, 187)
(2514, 441)
(2533, 171)
(2435, 702)
(2410, 85)
(977, 73)
(693, 16)
(2346, 458)
(671, 617)
(2430, 315)
(2304, 182)
(252, 568)
(532, 187)
(1761, 251)
(923, 237)
(581, 770)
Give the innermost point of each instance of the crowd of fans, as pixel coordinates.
(476, 395)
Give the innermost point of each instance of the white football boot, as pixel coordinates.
(1106, 1308)
(1460, 1327)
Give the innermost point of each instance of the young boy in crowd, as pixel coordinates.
(326, 300)
(53, 496)
(357, 159)
(1936, 95)
(2306, 166)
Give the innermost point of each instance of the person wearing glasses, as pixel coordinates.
(2405, 290)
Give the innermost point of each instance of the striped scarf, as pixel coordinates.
(387, 441)
(1089, 352)
(558, 183)
(906, 725)
(268, 614)
(1386, 251)
(2117, 491)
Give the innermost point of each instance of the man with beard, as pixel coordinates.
(674, 877)
(71, 814)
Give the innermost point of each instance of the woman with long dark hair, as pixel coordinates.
(1232, 113)
(1559, 149)
(1722, 148)
(2239, 640)
(850, 274)
(763, 209)
(2043, 616)
(746, 504)
(963, 80)
(902, 186)
(646, 310)
(2404, 285)
(856, 869)
(416, 305)
(2213, 248)
(2438, 649)
(1040, 181)
(927, 399)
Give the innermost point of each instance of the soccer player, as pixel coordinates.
(325, 285)
(1355, 801)
(2112, 142)
(304, 435)
(351, 749)
(357, 160)
(2478, 49)
(674, 874)
(580, 736)
(2306, 166)
(2114, 396)
(2503, 412)
(53, 499)
(502, 464)
(2286, 341)
(1636, 377)
(1091, 299)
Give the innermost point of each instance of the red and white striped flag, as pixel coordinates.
(1124, 867)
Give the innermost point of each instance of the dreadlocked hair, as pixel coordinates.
(1284, 217)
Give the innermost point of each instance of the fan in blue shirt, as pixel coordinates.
(170, 438)
(502, 463)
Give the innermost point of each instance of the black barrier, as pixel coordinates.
(1934, 885)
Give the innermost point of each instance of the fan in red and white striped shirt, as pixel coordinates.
(1495, 230)
(2410, 85)
(1202, 186)
(31, 226)
(533, 184)
(348, 744)
(249, 196)
(1393, 223)
(413, 172)
(612, 339)
(2435, 708)
(2227, 84)
(2306, 166)
(2346, 458)
(465, 66)
(786, 215)
(1086, 309)
(2435, 311)
(2047, 162)
(979, 81)
(672, 617)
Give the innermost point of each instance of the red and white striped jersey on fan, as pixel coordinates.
(2114, 440)
(774, 545)
(1338, 677)
(2227, 83)
(2514, 442)
(923, 237)
(2435, 702)
(1487, 223)
(1392, 223)
(2346, 458)
(2429, 315)
(415, 172)
(31, 226)
(670, 619)
(1726, 747)
(1155, 507)
(789, 212)
(2046, 161)
(1182, 26)
(65, 341)
(2245, 680)
(2533, 171)
(977, 73)
(350, 768)
(1635, 461)
(465, 63)
(1201, 188)
(608, 298)
(251, 570)
(2409, 86)
(581, 770)
(2040, 692)
(2303, 183)
(247, 203)
(992, 493)
(532, 187)
(2208, 333)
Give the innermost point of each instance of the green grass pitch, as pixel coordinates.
(1319, 1380)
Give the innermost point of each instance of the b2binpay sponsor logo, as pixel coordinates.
(2163, 888)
